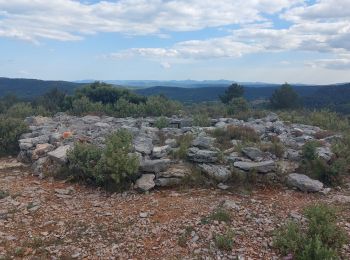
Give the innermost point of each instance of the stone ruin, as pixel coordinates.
(46, 145)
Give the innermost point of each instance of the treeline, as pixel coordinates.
(97, 98)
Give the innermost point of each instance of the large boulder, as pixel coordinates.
(202, 156)
(304, 183)
(145, 182)
(261, 167)
(218, 172)
(60, 154)
(143, 144)
(154, 166)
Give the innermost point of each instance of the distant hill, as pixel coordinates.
(30, 88)
(336, 97)
(201, 94)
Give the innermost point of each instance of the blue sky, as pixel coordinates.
(244, 40)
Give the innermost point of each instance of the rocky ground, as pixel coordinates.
(47, 219)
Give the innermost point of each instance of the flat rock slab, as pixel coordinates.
(154, 166)
(217, 172)
(262, 167)
(60, 154)
(304, 183)
(202, 156)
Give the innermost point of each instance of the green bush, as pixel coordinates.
(116, 164)
(83, 161)
(162, 122)
(84, 106)
(232, 92)
(225, 136)
(237, 105)
(112, 166)
(320, 239)
(275, 147)
(10, 131)
(161, 106)
(184, 142)
(328, 172)
(201, 120)
(284, 97)
(225, 242)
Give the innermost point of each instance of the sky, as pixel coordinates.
(277, 41)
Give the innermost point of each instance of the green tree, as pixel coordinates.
(284, 97)
(237, 105)
(233, 91)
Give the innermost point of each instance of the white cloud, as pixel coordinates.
(314, 28)
(225, 47)
(68, 20)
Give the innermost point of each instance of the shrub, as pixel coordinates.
(237, 105)
(20, 110)
(184, 142)
(232, 92)
(225, 242)
(83, 160)
(10, 131)
(99, 92)
(284, 97)
(320, 239)
(161, 106)
(328, 172)
(219, 214)
(224, 136)
(161, 122)
(112, 166)
(116, 164)
(201, 120)
(83, 106)
(275, 147)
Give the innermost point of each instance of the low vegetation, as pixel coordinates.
(321, 238)
(112, 166)
(224, 136)
(10, 131)
(328, 172)
(225, 241)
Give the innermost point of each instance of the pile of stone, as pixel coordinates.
(49, 139)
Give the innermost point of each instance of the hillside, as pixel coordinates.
(30, 88)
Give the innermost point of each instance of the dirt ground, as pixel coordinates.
(48, 219)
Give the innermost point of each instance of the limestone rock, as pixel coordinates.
(203, 142)
(217, 172)
(167, 182)
(60, 154)
(261, 167)
(143, 144)
(202, 156)
(304, 183)
(146, 182)
(154, 166)
(160, 151)
(41, 150)
(253, 153)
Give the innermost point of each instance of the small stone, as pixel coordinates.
(143, 215)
